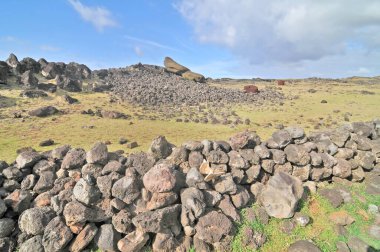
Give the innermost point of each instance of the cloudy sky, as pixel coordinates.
(219, 38)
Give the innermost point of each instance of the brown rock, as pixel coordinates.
(83, 238)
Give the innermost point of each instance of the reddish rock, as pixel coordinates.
(281, 83)
(84, 238)
(251, 89)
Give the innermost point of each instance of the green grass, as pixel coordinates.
(320, 230)
(305, 111)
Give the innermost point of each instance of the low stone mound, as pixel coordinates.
(153, 86)
(173, 198)
(33, 94)
(44, 111)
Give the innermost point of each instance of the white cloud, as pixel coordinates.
(8, 39)
(286, 31)
(11, 39)
(49, 48)
(139, 52)
(98, 16)
(363, 70)
(150, 43)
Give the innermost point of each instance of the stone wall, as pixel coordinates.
(171, 198)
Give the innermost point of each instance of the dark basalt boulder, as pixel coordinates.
(33, 94)
(49, 87)
(68, 84)
(44, 111)
(28, 79)
(29, 64)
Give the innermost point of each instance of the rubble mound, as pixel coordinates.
(154, 86)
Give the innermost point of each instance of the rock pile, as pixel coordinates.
(171, 198)
(68, 76)
(154, 86)
(139, 84)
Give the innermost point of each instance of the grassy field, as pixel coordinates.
(320, 230)
(72, 127)
(301, 107)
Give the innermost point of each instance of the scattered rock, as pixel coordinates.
(33, 94)
(44, 111)
(333, 196)
(281, 194)
(303, 246)
(47, 142)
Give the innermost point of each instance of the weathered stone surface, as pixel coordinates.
(366, 160)
(225, 184)
(228, 208)
(193, 200)
(33, 244)
(342, 169)
(75, 212)
(160, 148)
(105, 183)
(7, 226)
(27, 159)
(159, 221)
(122, 222)
(98, 154)
(174, 67)
(282, 138)
(164, 242)
(268, 165)
(19, 200)
(60, 152)
(244, 140)
(75, 158)
(253, 173)
(44, 111)
(211, 197)
(281, 195)
(303, 246)
(189, 75)
(113, 166)
(106, 238)
(34, 220)
(236, 161)
(160, 178)
(195, 159)
(358, 245)
(86, 192)
(241, 198)
(213, 227)
(134, 241)
(297, 154)
(217, 157)
(127, 188)
(28, 79)
(91, 170)
(3, 208)
(56, 235)
(333, 196)
(252, 239)
(45, 182)
(33, 94)
(159, 200)
(278, 156)
(84, 238)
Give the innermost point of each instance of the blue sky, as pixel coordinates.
(219, 38)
